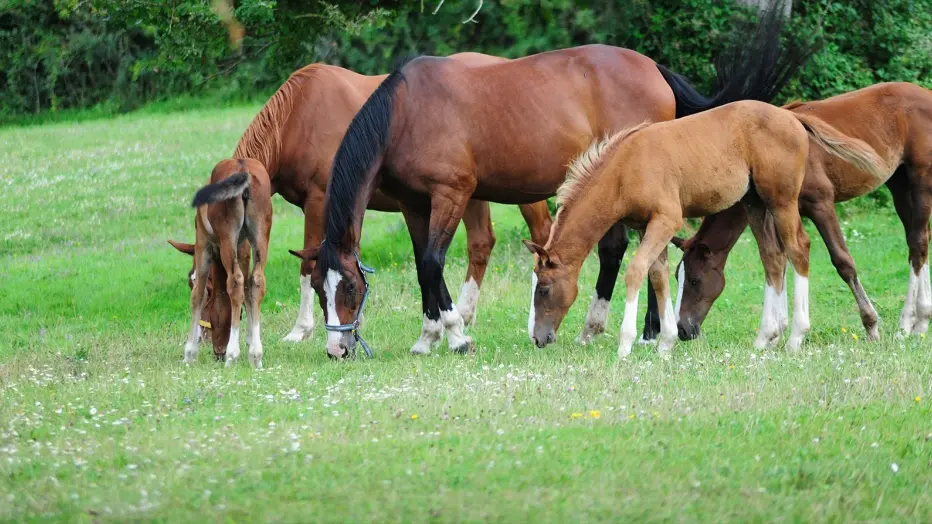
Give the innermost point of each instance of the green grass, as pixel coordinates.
(100, 420)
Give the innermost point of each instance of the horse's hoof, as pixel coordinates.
(466, 348)
(298, 335)
(420, 349)
(873, 333)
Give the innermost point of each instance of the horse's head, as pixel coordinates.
(701, 279)
(554, 291)
(215, 318)
(337, 277)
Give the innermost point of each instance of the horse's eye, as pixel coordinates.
(544, 291)
(694, 281)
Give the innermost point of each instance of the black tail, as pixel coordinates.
(755, 65)
(231, 187)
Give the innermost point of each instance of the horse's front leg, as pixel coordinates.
(418, 221)
(480, 239)
(313, 229)
(612, 247)
(775, 314)
(446, 211)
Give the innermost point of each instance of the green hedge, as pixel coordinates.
(118, 54)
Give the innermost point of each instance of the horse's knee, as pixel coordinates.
(481, 249)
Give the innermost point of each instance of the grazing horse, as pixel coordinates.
(895, 119)
(235, 208)
(296, 135)
(436, 133)
(653, 176)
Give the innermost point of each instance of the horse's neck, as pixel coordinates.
(721, 231)
(580, 226)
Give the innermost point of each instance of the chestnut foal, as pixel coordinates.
(235, 208)
(895, 119)
(652, 176)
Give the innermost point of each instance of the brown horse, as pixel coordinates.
(893, 118)
(235, 208)
(296, 135)
(652, 176)
(437, 133)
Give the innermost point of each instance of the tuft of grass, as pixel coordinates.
(99, 418)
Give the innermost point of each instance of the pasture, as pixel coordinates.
(100, 420)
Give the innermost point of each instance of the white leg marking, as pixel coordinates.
(769, 332)
(800, 311)
(531, 319)
(304, 326)
(667, 329)
(330, 289)
(596, 319)
(431, 331)
(255, 346)
(469, 298)
(783, 314)
(233, 346)
(628, 328)
(453, 323)
(680, 279)
(908, 316)
(923, 301)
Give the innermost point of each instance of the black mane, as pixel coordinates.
(355, 163)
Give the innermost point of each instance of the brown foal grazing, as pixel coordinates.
(234, 211)
(895, 119)
(437, 133)
(296, 135)
(652, 176)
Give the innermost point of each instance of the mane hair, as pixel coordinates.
(588, 163)
(793, 104)
(354, 163)
(262, 139)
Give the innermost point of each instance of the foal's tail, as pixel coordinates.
(754, 66)
(231, 187)
(850, 149)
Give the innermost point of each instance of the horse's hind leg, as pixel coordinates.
(235, 282)
(774, 315)
(198, 301)
(917, 236)
(537, 217)
(313, 227)
(656, 236)
(822, 213)
(480, 239)
(255, 292)
(796, 243)
(612, 247)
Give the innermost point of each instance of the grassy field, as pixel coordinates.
(100, 420)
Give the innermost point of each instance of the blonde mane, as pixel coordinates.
(262, 139)
(585, 166)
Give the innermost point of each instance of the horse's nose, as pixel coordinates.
(549, 339)
(687, 329)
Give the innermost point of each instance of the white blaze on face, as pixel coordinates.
(530, 319)
(330, 289)
(680, 280)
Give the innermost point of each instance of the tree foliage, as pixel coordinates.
(58, 54)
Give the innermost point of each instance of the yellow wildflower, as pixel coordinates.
(414, 416)
(575, 415)
(595, 413)
(631, 416)
(918, 398)
(844, 330)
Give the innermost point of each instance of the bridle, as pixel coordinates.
(354, 326)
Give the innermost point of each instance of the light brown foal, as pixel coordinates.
(652, 176)
(235, 208)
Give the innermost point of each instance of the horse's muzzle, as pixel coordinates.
(687, 329)
(543, 341)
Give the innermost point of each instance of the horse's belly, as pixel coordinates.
(715, 194)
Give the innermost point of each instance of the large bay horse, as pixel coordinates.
(437, 133)
(652, 176)
(234, 210)
(295, 136)
(893, 118)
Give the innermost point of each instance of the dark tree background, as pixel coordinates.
(119, 54)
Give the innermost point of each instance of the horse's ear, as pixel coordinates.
(536, 249)
(187, 249)
(306, 254)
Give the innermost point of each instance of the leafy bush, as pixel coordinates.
(61, 54)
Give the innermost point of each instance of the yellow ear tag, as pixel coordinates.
(204, 323)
